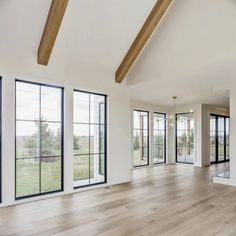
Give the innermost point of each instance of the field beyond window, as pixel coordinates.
(39, 138)
(89, 138)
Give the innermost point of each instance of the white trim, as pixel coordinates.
(226, 181)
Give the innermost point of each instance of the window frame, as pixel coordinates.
(176, 139)
(148, 141)
(105, 139)
(62, 141)
(225, 117)
(0, 139)
(165, 138)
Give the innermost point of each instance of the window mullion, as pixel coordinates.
(40, 141)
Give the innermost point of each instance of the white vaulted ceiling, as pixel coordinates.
(94, 35)
(192, 54)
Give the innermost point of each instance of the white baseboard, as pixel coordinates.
(226, 181)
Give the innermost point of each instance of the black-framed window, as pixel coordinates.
(39, 139)
(159, 138)
(0, 139)
(219, 139)
(185, 138)
(90, 129)
(140, 138)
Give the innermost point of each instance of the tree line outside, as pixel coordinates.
(28, 160)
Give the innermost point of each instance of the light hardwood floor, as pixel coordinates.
(166, 200)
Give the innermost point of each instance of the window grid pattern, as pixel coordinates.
(89, 139)
(141, 138)
(227, 138)
(219, 138)
(159, 138)
(39, 139)
(0, 139)
(184, 138)
(212, 139)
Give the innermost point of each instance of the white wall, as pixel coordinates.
(118, 133)
(233, 135)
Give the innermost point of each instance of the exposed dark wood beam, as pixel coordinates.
(51, 29)
(144, 34)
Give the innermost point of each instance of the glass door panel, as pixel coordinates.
(140, 138)
(219, 139)
(185, 138)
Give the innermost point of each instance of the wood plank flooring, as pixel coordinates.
(173, 200)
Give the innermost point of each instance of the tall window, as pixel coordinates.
(89, 139)
(213, 139)
(159, 138)
(39, 139)
(0, 139)
(219, 139)
(140, 138)
(227, 138)
(185, 138)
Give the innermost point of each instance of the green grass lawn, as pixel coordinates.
(81, 167)
(28, 174)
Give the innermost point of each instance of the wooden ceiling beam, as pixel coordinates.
(144, 34)
(51, 29)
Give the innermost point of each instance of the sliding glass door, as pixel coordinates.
(159, 138)
(140, 138)
(89, 139)
(39, 139)
(185, 138)
(219, 138)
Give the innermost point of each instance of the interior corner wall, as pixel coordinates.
(233, 135)
(205, 137)
(118, 136)
(171, 146)
(198, 125)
